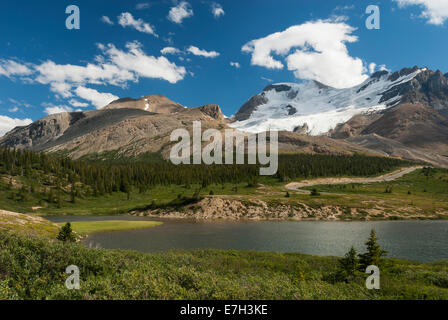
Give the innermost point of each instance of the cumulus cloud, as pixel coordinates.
(372, 67)
(7, 124)
(170, 50)
(203, 53)
(62, 78)
(106, 20)
(9, 68)
(435, 11)
(53, 109)
(114, 67)
(217, 10)
(235, 64)
(315, 50)
(180, 12)
(78, 104)
(127, 20)
(137, 62)
(98, 99)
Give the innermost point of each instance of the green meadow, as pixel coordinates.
(89, 227)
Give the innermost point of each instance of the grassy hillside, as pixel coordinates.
(422, 193)
(33, 268)
(416, 195)
(27, 225)
(49, 184)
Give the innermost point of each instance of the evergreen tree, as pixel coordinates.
(73, 194)
(349, 264)
(66, 234)
(374, 252)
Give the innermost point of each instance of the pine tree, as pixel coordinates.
(374, 252)
(349, 264)
(66, 234)
(73, 194)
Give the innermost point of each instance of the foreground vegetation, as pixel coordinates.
(33, 268)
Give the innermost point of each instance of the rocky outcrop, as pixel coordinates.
(212, 208)
(213, 110)
(354, 126)
(303, 129)
(39, 133)
(238, 208)
(428, 87)
(250, 106)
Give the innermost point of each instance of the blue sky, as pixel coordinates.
(45, 68)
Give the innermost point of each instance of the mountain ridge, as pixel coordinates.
(398, 114)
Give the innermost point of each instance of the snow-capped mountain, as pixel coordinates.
(317, 108)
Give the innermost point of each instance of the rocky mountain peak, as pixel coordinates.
(212, 110)
(153, 103)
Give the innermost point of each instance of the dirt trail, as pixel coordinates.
(387, 177)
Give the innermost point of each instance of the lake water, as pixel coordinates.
(414, 240)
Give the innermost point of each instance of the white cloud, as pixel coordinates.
(62, 78)
(13, 109)
(78, 104)
(217, 10)
(114, 67)
(435, 11)
(235, 64)
(267, 79)
(98, 99)
(142, 6)
(372, 67)
(199, 52)
(9, 68)
(180, 12)
(53, 109)
(170, 50)
(127, 20)
(314, 50)
(383, 68)
(107, 20)
(7, 124)
(138, 62)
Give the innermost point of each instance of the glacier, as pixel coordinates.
(320, 107)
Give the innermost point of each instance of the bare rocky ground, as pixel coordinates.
(237, 208)
(255, 207)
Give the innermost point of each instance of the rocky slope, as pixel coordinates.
(403, 113)
(152, 103)
(132, 127)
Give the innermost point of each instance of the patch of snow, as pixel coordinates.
(321, 108)
(318, 123)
